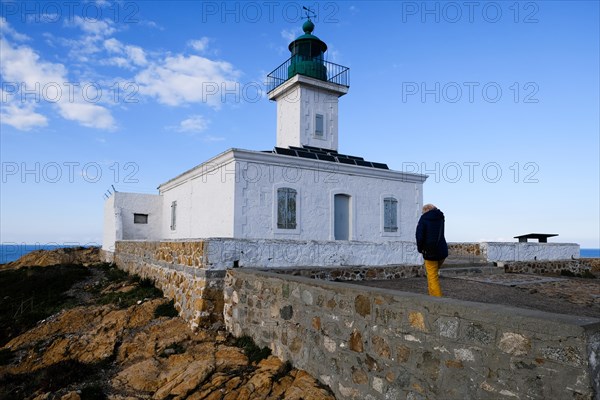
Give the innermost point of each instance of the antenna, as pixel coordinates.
(308, 12)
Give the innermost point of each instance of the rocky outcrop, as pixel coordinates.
(130, 353)
(67, 255)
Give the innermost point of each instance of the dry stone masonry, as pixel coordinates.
(178, 269)
(368, 343)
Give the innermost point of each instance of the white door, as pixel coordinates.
(341, 216)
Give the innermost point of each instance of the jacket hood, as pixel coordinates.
(433, 215)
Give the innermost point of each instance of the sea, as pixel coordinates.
(11, 252)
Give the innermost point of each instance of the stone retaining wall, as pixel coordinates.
(556, 267)
(191, 272)
(465, 249)
(356, 273)
(594, 263)
(371, 343)
(177, 268)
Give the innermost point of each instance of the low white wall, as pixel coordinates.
(111, 232)
(224, 253)
(501, 251)
(119, 221)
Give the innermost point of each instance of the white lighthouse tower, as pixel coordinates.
(306, 89)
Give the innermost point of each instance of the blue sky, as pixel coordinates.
(497, 101)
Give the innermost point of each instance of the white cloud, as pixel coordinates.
(96, 27)
(151, 24)
(23, 65)
(210, 138)
(6, 29)
(95, 31)
(189, 79)
(23, 68)
(193, 124)
(200, 45)
(21, 116)
(134, 55)
(113, 45)
(290, 34)
(87, 114)
(333, 55)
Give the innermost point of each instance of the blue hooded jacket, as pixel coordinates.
(430, 236)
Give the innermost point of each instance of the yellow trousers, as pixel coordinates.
(433, 277)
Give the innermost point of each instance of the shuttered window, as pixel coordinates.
(319, 131)
(390, 214)
(286, 208)
(173, 215)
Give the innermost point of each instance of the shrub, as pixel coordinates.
(127, 299)
(166, 310)
(32, 294)
(6, 356)
(252, 351)
(93, 392)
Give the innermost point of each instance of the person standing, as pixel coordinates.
(431, 243)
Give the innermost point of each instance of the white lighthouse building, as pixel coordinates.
(302, 191)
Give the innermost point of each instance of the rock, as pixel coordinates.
(306, 387)
(71, 396)
(68, 255)
(142, 376)
(153, 340)
(159, 358)
(228, 358)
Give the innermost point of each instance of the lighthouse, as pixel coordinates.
(307, 89)
(302, 197)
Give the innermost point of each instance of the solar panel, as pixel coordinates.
(317, 153)
(363, 163)
(285, 152)
(346, 160)
(306, 154)
(326, 157)
(356, 158)
(349, 156)
(319, 149)
(309, 150)
(379, 165)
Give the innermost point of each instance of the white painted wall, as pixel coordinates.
(316, 183)
(221, 253)
(111, 233)
(518, 251)
(118, 218)
(205, 200)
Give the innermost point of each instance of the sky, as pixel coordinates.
(498, 102)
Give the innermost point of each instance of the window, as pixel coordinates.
(390, 214)
(319, 131)
(140, 218)
(173, 215)
(286, 208)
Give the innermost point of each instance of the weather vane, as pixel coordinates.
(308, 13)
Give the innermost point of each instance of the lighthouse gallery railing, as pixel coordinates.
(335, 73)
